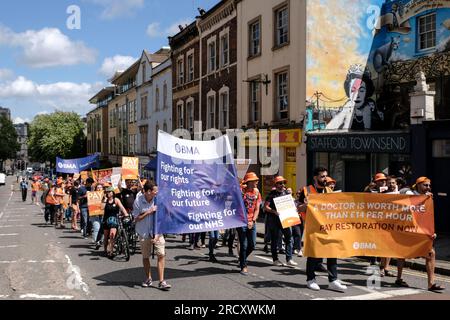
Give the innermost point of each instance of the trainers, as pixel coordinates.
(212, 259)
(296, 251)
(401, 283)
(164, 286)
(292, 263)
(313, 285)
(147, 283)
(266, 249)
(300, 254)
(191, 247)
(337, 286)
(278, 263)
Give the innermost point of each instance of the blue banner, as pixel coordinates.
(77, 165)
(199, 189)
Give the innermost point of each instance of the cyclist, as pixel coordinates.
(112, 208)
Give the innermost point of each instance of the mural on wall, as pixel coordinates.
(374, 44)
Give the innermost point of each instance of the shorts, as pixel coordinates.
(33, 194)
(147, 247)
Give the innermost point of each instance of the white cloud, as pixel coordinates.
(6, 74)
(118, 8)
(154, 29)
(112, 64)
(19, 120)
(48, 47)
(66, 96)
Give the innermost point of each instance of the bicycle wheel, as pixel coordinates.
(124, 244)
(132, 241)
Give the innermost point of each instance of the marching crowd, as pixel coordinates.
(65, 200)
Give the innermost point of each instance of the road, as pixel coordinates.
(40, 262)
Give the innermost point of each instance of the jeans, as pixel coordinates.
(24, 194)
(311, 265)
(247, 241)
(274, 229)
(213, 238)
(229, 236)
(84, 220)
(297, 232)
(49, 213)
(96, 224)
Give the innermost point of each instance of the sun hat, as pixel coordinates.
(251, 176)
(331, 180)
(279, 179)
(379, 177)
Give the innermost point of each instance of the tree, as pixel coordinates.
(56, 135)
(8, 141)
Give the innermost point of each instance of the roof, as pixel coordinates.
(102, 94)
(132, 70)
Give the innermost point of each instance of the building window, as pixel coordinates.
(211, 111)
(165, 126)
(255, 39)
(212, 56)
(427, 31)
(224, 107)
(156, 133)
(165, 106)
(441, 148)
(281, 26)
(144, 139)
(144, 71)
(190, 115)
(224, 50)
(180, 67)
(190, 65)
(144, 107)
(157, 99)
(282, 103)
(180, 115)
(255, 98)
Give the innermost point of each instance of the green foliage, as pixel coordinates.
(56, 135)
(8, 139)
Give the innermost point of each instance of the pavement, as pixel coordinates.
(441, 246)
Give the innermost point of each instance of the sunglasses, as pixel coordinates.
(427, 185)
(280, 183)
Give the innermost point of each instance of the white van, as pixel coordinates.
(2, 179)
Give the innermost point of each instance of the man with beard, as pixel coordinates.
(319, 186)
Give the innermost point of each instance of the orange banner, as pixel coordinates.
(95, 203)
(342, 225)
(130, 168)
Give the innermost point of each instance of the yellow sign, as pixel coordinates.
(342, 225)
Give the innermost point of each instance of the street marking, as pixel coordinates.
(16, 220)
(9, 235)
(7, 262)
(19, 226)
(45, 297)
(1, 214)
(45, 261)
(378, 295)
(76, 272)
(3, 297)
(9, 247)
(284, 264)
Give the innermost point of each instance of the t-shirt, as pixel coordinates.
(269, 200)
(74, 195)
(82, 191)
(252, 199)
(35, 186)
(144, 228)
(128, 196)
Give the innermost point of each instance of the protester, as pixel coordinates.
(35, 187)
(112, 207)
(144, 214)
(274, 223)
(331, 183)
(83, 205)
(59, 202)
(319, 186)
(97, 229)
(50, 202)
(422, 187)
(74, 205)
(247, 234)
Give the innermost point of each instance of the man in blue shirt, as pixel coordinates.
(144, 212)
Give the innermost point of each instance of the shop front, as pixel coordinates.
(353, 158)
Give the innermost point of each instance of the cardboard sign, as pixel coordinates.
(95, 203)
(130, 168)
(288, 211)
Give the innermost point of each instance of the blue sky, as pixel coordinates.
(46, 66)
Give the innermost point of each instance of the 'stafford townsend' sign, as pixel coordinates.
(353, 143)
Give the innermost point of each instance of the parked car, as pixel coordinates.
(2, 179)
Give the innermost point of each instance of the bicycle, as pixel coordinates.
(129, 226)
(121, 245)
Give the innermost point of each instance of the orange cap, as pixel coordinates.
(379, 177)
(251, 176)
(279, 179)
(422, 180)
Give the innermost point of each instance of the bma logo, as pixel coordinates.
(186, 150)
(67, 165)
(364, 245)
